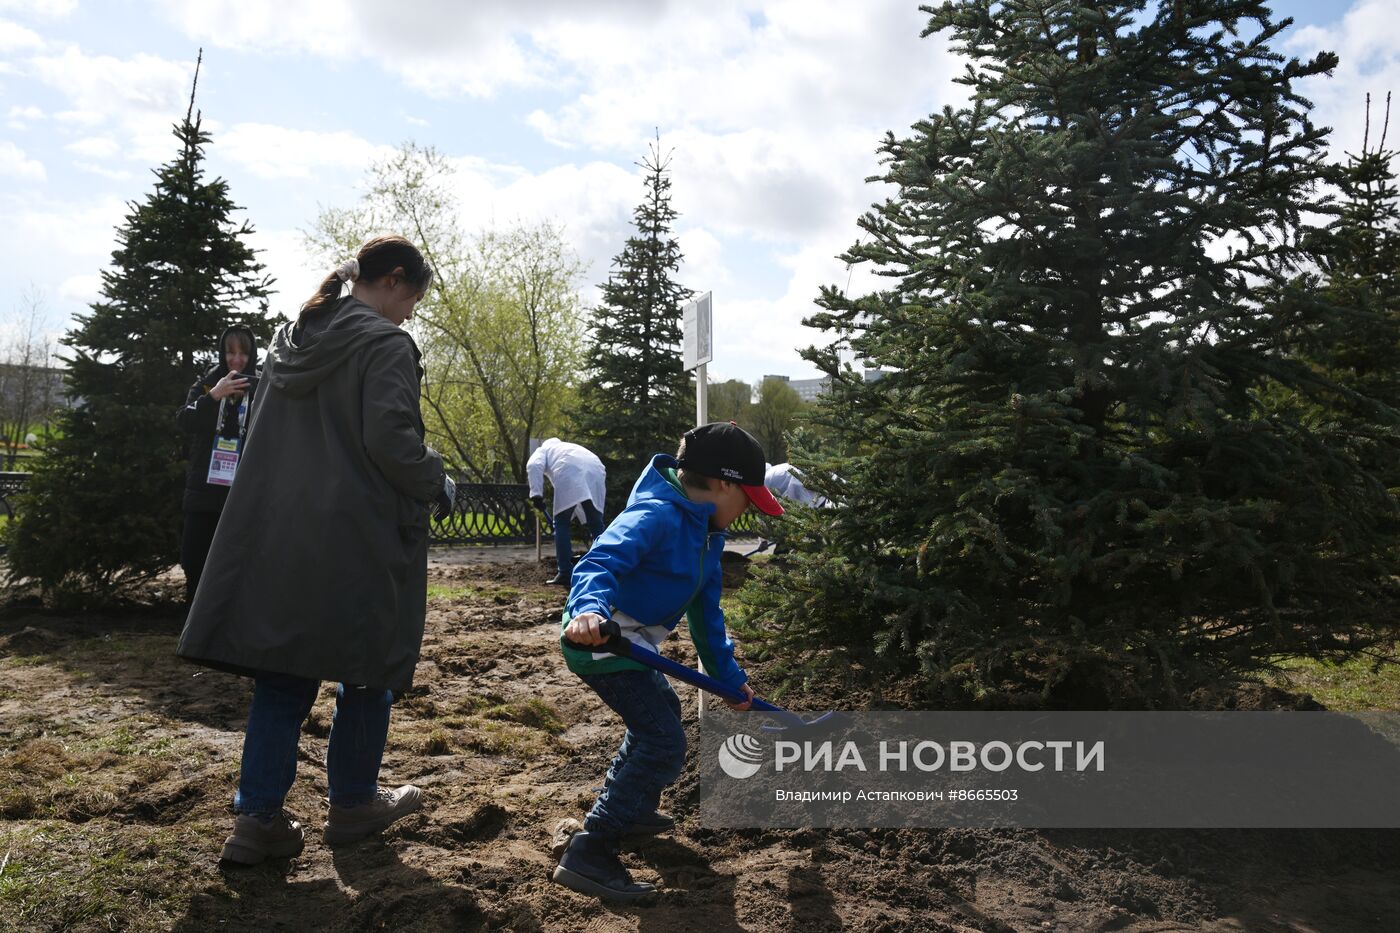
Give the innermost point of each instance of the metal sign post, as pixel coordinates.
(697, 328)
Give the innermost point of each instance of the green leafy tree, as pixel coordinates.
(637, 400)
(103, 505)
(1067, 488)
(774, 416)
(731, 400)
(500, 328)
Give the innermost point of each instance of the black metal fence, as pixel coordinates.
(500, 513)
(11, 483)
(488, 513)
(484, 513)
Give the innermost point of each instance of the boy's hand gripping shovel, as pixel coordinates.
(623, 648)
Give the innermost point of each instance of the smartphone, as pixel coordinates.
(252, 380)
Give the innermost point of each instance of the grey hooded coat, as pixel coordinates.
(319, 564)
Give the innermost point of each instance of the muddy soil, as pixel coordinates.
(118, 762)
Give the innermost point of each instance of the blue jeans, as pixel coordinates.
(652, 753)
(281, 703)
(563, 545)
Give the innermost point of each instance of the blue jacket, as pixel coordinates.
(656, 562)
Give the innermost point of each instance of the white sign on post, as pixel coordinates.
(697, 329)
(697, 323)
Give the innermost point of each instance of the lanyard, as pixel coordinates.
(242, 415)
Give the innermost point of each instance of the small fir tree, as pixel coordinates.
(103, 506)
(1358, 255)
(1067, 488)
(637, 400)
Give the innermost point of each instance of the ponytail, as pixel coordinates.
(377, 258)
(327, 295)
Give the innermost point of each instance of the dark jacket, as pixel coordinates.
(319, 565)
(199, 418)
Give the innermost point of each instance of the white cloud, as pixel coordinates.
(94, 147)
(269, 151)
(61, 244)
(82, 289)
(594, 202)
(80, 117)
(283, 252)
(138, 98)
(58, 233)
(15, 164)
(1367, 40)
(112, 174)
(104, 84)
(764, 335)
(704, 259)
(437, 46)
(15, 38)
(19, 118)
(46, 8)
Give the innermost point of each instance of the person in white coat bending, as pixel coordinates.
(577, 476)
(783, 479)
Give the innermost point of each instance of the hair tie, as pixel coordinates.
(348, 271)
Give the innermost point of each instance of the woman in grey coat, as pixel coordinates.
(318, 570)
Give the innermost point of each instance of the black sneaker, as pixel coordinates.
(256, 839)
(590, 866)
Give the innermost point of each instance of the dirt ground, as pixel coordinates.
(118, 763)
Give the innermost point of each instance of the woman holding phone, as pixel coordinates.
(217, 411)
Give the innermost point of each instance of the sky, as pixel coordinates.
(772, 111)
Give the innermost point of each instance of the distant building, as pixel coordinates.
(809, 389)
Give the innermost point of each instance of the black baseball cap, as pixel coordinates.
(723, 450)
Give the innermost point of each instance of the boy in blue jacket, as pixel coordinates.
(657, 562)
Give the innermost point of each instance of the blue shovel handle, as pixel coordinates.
(623, 648)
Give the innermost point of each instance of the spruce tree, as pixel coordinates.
(103, 506)
(1358, 256)
(637, 399)
(1067, 489)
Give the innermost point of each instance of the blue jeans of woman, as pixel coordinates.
(563, 543)
(652, 753)
(281, 703)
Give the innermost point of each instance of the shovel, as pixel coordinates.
(623, 648)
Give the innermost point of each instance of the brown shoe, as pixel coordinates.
(258, 838)
(349, 824)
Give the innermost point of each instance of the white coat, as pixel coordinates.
(576, 474)
(782, 479)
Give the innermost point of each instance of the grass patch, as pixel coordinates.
(1348, 686)
(486, 725)
(125, 742)
(61, 877)
(451, 593)
(532, 713)
(58, 774)
(494, 737)
(438, 742)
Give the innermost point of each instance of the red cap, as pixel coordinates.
(763, 500)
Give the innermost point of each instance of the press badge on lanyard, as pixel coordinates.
(223, 460)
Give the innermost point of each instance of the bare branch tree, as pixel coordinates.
(29, 383)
